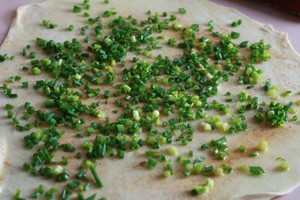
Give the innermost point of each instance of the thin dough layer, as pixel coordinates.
(126, 179)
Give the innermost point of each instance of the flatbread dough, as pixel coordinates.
(125, 178)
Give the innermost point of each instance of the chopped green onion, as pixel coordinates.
(284, 165)
(36, 71)
(242, 148)
(182, 10)
(70, 27)
(256, 170)
(152, 162)
(24, 84)
(47, 24)
(92, 168)
(263, 146)
(76, 9)
(202, 189)
(236, 23)
(234, 35)
(172, 151)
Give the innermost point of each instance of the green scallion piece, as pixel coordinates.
(182, 10)
(76, 9)
(256, 170)
(92, 168)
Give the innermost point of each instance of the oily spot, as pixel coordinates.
(67, 137)
(251, 139)
(150, 180)
(142, 164)
(272, 134)
(7, 164)
(74, 165)
(237, 158)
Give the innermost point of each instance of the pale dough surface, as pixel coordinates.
(125, 179)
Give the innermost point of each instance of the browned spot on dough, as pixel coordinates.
(251, 139)
(268, 133)
(7, 164)
(141, 164)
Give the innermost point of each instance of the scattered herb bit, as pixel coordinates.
(152, 162)
(236, 23)
(254, 153)
(47, 24)
(92, 168)
(263, 146)
(182, 10)
(284, 165)
(76, 9)
(4, 57)
(234, 35)
(256, 170)
(24, 84)
(70, 27)
(244, 44)
(8, 91)
(172, 151)
(109, 13)
(202, 189)
(242, 148)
